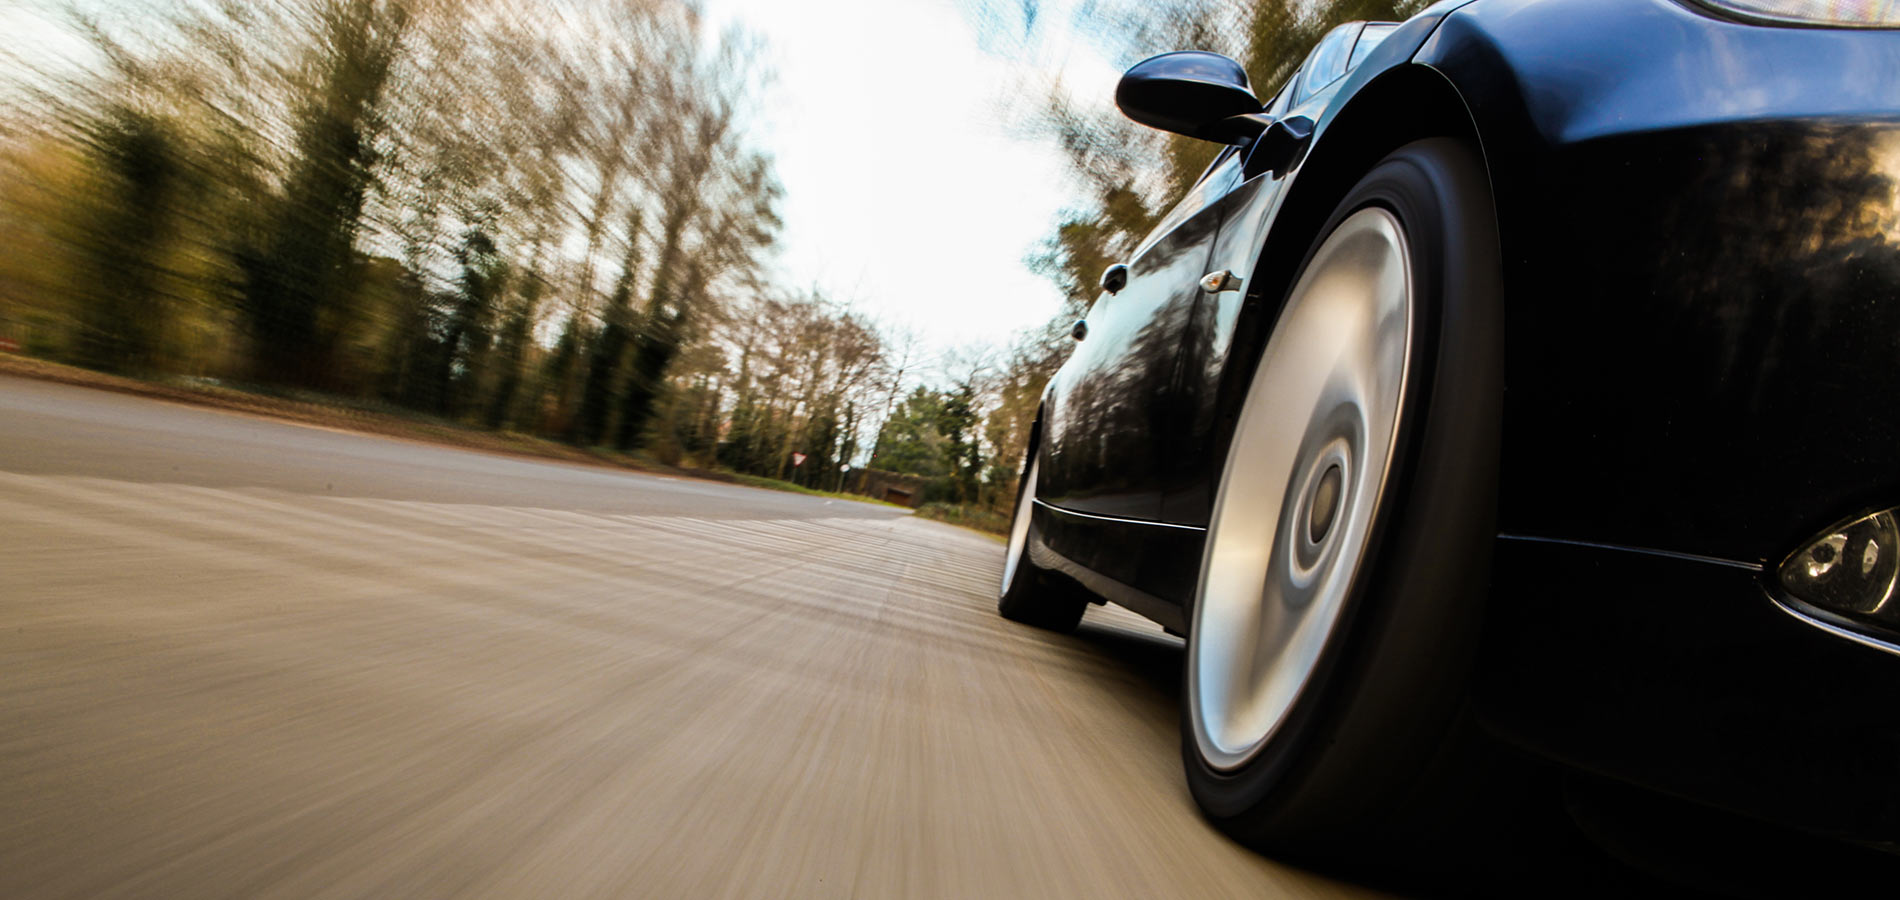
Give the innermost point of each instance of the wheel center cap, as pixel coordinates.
(1323, 507)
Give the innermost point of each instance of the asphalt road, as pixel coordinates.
(250, 659)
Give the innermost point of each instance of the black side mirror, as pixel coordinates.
(1192, 92)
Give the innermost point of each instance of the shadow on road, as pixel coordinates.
(1535, 850)
(1150, 658)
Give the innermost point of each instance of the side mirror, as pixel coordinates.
(1192, 92)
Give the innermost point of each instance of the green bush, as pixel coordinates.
(976, 517)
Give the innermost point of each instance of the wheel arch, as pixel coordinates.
(1406, 103)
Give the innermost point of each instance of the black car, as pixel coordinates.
(1529, 367)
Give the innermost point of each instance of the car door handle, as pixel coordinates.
(1081, 330)
(1114, 278)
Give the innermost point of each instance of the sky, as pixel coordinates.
(35, 28)
(909, 193)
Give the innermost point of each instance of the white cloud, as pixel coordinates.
(906, 192)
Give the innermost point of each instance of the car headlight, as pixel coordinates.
(1850, 569)
(1843, 13)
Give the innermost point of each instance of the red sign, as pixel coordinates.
(798, 459)
(9, 345)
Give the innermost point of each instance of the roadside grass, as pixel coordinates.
(760, 481)
(985, 521)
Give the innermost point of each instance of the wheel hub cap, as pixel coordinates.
(1323, 506)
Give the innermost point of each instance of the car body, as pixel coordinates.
(1698, 223)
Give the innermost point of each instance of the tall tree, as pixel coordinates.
(468, 332)
(298, 271)
(121, 238)
(605, 361)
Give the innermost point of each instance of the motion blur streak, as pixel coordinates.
(254, 659)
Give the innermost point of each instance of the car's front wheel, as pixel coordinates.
(1340, 590)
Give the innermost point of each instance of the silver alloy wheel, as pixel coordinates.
(1019, 527)
(1301, 487)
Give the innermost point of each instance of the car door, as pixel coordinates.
(1107, 431)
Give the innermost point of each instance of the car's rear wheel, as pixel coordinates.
(1341, 589)
(1026, 596)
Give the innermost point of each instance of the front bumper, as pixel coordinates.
(1683, 676)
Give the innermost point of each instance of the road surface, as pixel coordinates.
(250, 659)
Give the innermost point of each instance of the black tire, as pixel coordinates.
(1027, 594)
(1366, 766)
